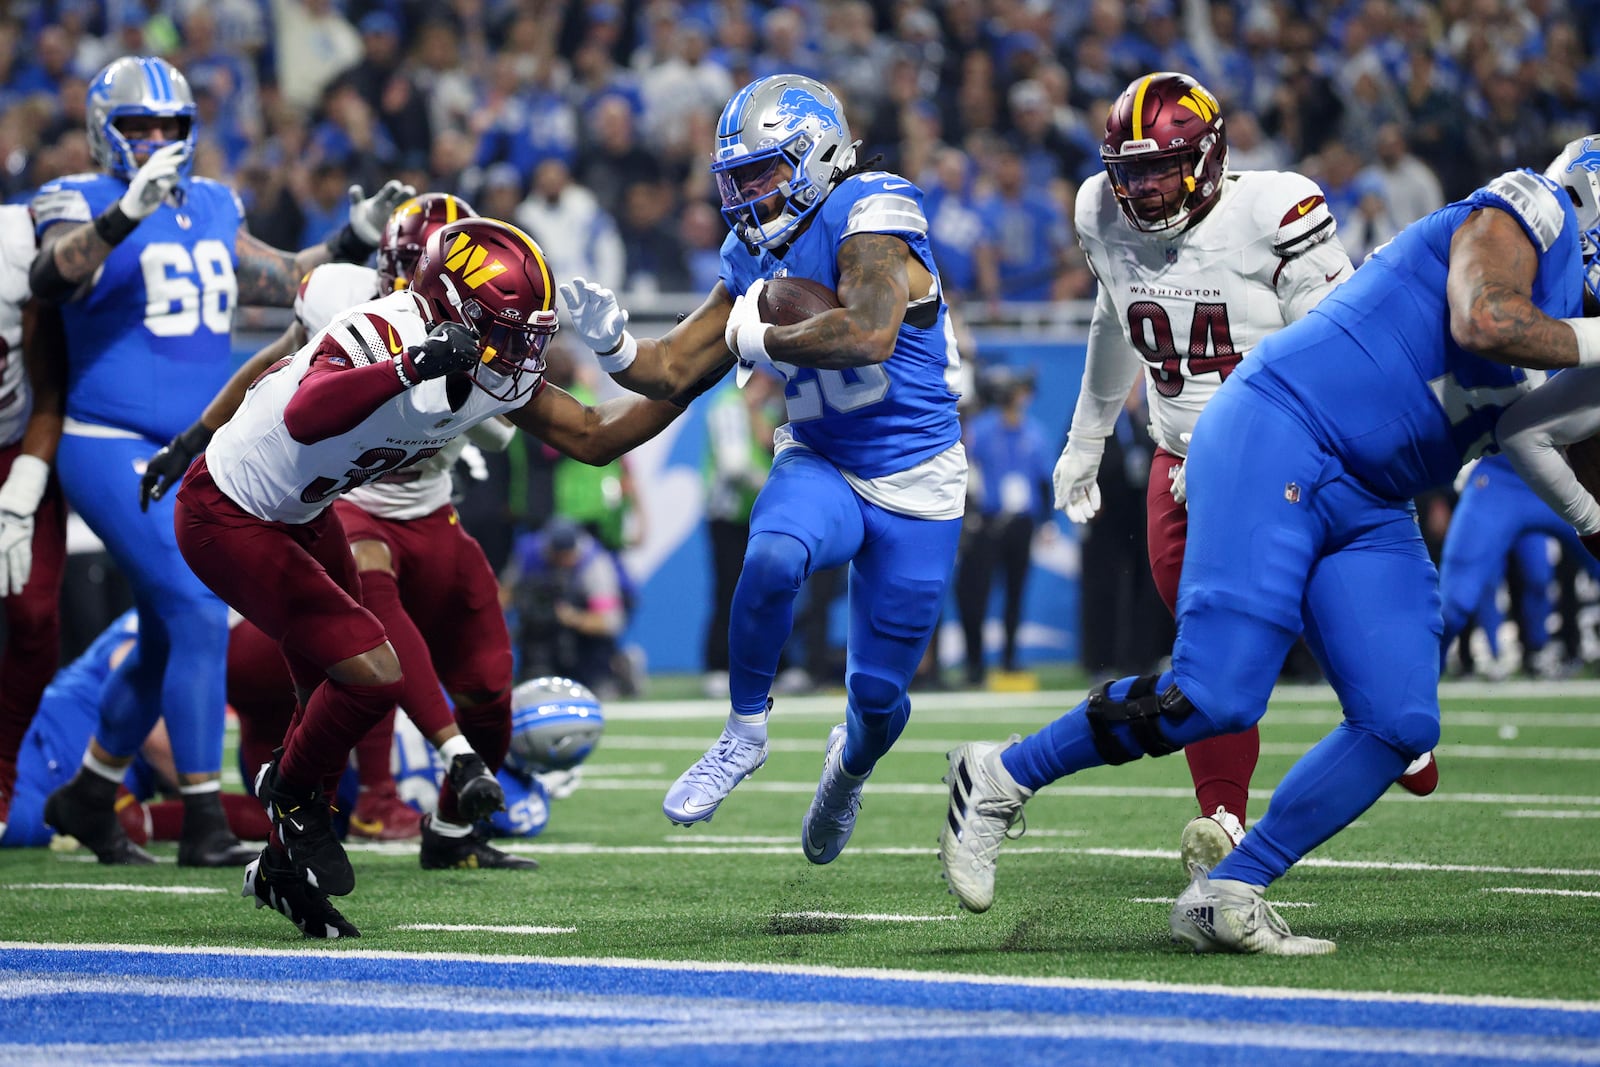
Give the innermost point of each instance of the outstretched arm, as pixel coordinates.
(594, 435)
(270, 277)
(1534, 431)
(1489, 291)
(659, 367)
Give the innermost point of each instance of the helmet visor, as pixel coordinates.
(1152, 187)
(510, 348)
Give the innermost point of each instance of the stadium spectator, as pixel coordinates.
(313, 43)
(560, 213)
(567, 594)
(1410, 188)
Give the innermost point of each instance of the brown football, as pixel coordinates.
(785, 301)
(1584, 456)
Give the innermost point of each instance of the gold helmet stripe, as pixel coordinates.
(1138, 108)
(544, 268)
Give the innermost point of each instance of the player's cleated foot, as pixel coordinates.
(134, 817)
(67, 812)
(8, 786)
(1422, 777)
(274, 883)
(831, 817)
(985, 802)
(697, 792)
(380, 815)
(218, 848)
(441, 852)
(1207, 839)
(304, 824)
(1229, 916)
(478, 792)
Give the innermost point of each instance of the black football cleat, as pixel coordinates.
(478, 792)
(97, 828)
(305, 826)
(441, 853)
(219, 848)
(275, 883)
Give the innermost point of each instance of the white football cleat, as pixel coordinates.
(1207, 839)
(985, 801)
(831, 818)
(1231, 916)
(694, 797)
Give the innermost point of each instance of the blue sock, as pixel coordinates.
(1323, 793)
(869, 736)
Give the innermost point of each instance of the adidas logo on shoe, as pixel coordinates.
(1204, 918)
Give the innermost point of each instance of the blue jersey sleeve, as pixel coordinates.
(74, 199)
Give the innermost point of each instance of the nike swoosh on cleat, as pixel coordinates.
(695, 809)
(298, 828)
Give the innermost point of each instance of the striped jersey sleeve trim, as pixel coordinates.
(60, 205)
(885, 213)
(1534, 203)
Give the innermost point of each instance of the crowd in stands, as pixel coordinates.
(589, 122)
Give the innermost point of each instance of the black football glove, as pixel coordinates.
(451, 347)
(169, 465)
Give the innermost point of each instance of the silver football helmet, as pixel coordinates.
(136, 85)
(555, 724)
(782, 118)
(1577, 170)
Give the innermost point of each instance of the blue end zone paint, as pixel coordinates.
(128, 1005)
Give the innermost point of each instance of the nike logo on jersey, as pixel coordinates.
(895, 185)
(1307, 204)
(1335, 274)
(392, 339)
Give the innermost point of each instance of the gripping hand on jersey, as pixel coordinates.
(19, 499)
(449, 348)
(153, 181)
(169, 465)
(369, 214)
(1180, 479)
(1075, 477)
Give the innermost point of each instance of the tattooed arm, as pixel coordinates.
(1489, 287)
(269, 276)
(875, 277)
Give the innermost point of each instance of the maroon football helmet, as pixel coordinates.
(492, 278)
(406, 234)
(1165, 151)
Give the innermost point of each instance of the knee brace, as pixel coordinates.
(1141, 709)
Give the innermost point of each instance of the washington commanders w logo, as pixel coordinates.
(468, 258)
(1201, 103)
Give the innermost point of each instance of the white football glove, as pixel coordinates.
(370, 214)
(595, 314)
(1180, 483)
(19, 499)
(746, 334)
(153, 181)
(1075, 476)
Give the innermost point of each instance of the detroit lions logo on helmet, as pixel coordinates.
(1587, 158)
(797, 105)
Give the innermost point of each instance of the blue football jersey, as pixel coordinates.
(69, 710)
(1373, 369)
(889, 417)
(149, 344)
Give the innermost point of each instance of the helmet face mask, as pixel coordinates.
(406, 234)
(136, 87)
(492, 278)
(1165, 152)
(776, 120)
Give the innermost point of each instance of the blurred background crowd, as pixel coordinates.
(589, 123)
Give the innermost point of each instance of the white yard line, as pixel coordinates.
(1542, 892)
(118, 887)
(465, 928)
(873, 917)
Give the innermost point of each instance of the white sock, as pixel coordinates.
(751, 728)
(456, 746)
(106, 771)
(212, 786)
(448, 829)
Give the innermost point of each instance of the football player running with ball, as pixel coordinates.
(424, 577)
(383, 388)
(1196, 263)
(869, 470)
(1301, 472)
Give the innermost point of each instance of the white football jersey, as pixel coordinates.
(272, 476)
(1188, 306)
(422, 488)
(16, 255)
